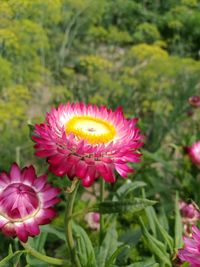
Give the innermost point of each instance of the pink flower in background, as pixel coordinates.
(93, 220)
(190, 216)
(194, 153)
(194, 101)
(191, 251)
(88, 142)
(25, 202)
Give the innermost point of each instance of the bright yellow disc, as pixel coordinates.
(94, 130)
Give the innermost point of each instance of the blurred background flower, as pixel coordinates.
(194, 153)
(93, 220)
(194, 101)
(190, 216)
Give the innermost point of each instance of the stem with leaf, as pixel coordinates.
(68, 222)
(102, 188)
(41, 256)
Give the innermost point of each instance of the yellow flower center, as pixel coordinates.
(94, 130)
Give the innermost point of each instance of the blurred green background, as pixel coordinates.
(142, 55)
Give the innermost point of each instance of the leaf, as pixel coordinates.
(156, 247)
(115, 254)
(38, 244)
(31, 130)
(133, 206)
(84, 248)
(12, 259)
(178, 225)
(53, 230)
(108, 247)
(143, 264)
(32, 261)
(127, 188)
(156, 224)
(130, 237)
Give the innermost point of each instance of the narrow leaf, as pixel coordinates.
(127, 188)
(143, 264)
(84, 248)
(166, 237)
(156, 247)
(12, 259)
(108, 247)
(54, 231)
(113, 257)
(133, 206)
(31, 129)
(178, 225)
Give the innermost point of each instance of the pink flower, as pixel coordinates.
(194, 101)
(88, 142)
(189, 211)
(194, 153)
(93, 220)
(25, 202)
(191, 250)
(190, 216)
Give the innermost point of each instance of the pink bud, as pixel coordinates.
(194, 101)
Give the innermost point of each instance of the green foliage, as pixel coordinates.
(5, 73)
(108, 247)
(12, 259)
(146, 33)
(84, 247)
(133, 206)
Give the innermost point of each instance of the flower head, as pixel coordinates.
(190, 216)
(25, 202)
(93, 220)
(88, 142)
(194, 101)
(194, 153)
(189, 211)
(191, 250)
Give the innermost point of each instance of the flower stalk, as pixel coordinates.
(102, 189)
(68, 222)
(42, 257)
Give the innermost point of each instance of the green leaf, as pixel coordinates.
(12, 259)
(108, 247)
(178, 225)
(32, 261)
(127, 188)
(31, 129)
(156, 224)
(143, 264)
(54, 231)
(133, 206)
(113, 257)
(84, 248)
(156, 247)
(37, 243)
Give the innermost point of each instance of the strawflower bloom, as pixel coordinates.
(88, 142)
(25, 202)
(194, 153)
(191, 251)
(190, 215)
(194, 101)
(93, 220)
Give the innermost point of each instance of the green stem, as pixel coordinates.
(102, 188)
(41, 256)
(68, 223)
